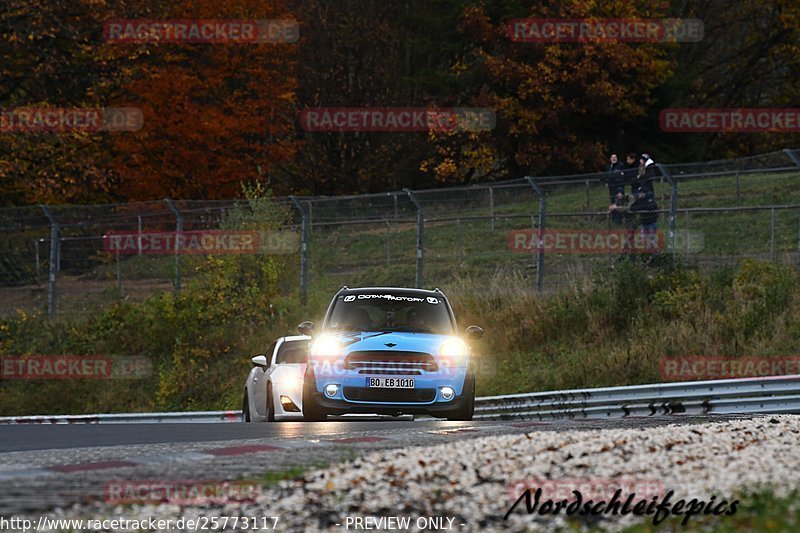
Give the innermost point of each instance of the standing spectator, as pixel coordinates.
(645, 175)
(629, 170)
(621, 214)
(614, 175)
(644, 205)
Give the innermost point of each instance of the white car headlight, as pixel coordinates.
(326, 347)
(454, 349)
(290, 382)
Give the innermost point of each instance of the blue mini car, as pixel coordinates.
(389, 351)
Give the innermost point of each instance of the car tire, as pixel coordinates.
(467, 409)
(311, 411)
(245, 408)
(270, 404)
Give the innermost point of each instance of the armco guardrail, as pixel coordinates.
(127, 418)
(774, 395)
(769, 395)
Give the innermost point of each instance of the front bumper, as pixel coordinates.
(341, 407)
(354, 395)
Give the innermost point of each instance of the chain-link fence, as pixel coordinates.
(553, 230)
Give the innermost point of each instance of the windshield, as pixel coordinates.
(390, 312)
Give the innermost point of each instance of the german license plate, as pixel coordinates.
(391, 383)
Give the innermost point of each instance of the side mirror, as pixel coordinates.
(260, 360)
(306, 328)
(474, 333)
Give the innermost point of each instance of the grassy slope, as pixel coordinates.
(607, 331)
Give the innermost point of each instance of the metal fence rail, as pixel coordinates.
(767, 395)
(775, 394)
(53, 258)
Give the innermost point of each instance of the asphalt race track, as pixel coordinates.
(57, 465)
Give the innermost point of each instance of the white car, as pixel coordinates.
(274, 387)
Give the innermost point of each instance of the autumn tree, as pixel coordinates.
(557, 103)
(749, 57)
(215, 114)
(373, 53)
(52, 55)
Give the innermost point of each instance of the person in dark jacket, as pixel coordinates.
(645, 175)
(619, 209)
(614, 177)
(629, 169)
(644, 206)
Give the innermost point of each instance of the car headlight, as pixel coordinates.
(454, 349)
(326, 347)
(289, 382)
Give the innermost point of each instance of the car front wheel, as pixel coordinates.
(467, 408)
(245, 408)
(311, 411)
(270, 405)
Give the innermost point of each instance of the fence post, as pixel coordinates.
(118, 272)
(688, 218)
(772, 234)
(539, 238)
(54, 260)
(491, 205)
(310, 215)
(420, 235)
(178, 232)
(303, 250)
(388, 243)
(792, 153)
(460, 245)
(38, 263)
(673, 204)
(139, 235)
(798, 246)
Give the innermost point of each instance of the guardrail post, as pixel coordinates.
(420, 235)
(178, 231)
(303, 250)
(673, 204)
(542, 227)
(793, 155)
(54, 260)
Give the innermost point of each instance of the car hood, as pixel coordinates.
(394, 341)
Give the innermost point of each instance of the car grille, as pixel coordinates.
(365, 394)
(392, 363)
